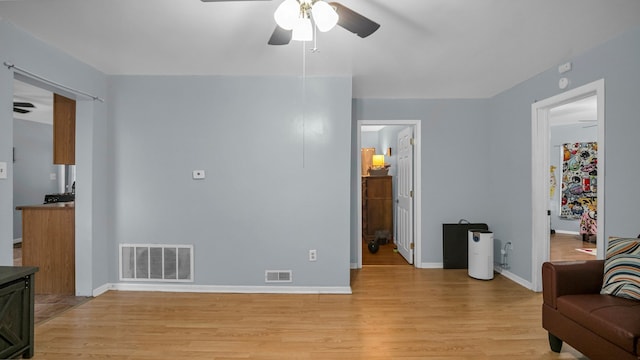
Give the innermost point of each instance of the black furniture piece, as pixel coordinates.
(455, 244)
(16, 311)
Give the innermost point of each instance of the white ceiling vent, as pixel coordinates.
(152, 262)
(278, 276)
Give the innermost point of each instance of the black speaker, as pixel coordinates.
(373, 246)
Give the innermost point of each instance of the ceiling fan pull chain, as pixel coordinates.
(304, 97)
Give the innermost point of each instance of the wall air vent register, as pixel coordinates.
(154, 262)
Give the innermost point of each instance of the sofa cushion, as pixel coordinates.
(622, 269)
(615, 319)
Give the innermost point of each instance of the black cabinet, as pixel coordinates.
(16, 311)
(455, 244)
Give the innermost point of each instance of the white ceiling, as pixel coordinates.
(583, 111)
(423, 49)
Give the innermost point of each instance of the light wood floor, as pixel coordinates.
(563, 247)
(395, 312)
(48, 306)
(385, 255)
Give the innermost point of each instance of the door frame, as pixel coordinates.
(83, 224)
(417, 187)
(540, 152)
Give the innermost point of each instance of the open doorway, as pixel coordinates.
(43, 174)
(573, 180)
(400, 147)
(542, 112)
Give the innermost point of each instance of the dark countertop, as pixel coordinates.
(10, 273)
(51, 206)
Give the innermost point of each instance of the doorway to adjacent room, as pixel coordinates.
(541, 184)
(402, 245)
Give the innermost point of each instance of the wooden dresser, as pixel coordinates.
(377, 206)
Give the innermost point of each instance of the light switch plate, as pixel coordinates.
(3, 170)
(198, 174)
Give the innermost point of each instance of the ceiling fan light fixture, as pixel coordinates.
(324, 15)
(303, 30)
(287, 14)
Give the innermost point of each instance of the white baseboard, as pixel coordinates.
(431, 265)
(225, 289)
(354, 266)
(513, 277)
(101, 290)
(567, 232)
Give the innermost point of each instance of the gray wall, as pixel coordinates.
(510, 153)
(477, 153)
(561, 135)
(134, 170)
(370, 139)
(389, 139)
(33, 164)
(271, 192)
(455, 177)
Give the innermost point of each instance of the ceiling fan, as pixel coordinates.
(294, 20)
(22, 107)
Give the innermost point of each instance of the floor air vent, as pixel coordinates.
(277, 276)
(151, 262)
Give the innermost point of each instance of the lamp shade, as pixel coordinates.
(287, 14)
(378, 160)
(303, 30)
(324, 16)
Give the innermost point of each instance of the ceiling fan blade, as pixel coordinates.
(353, 21)
(23, 104)
(20, 111)
(280, 36)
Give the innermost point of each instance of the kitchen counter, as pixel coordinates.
(48, 242)
(50, 206)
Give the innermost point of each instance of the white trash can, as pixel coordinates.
(481, 254)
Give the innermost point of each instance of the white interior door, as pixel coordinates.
(404, 196)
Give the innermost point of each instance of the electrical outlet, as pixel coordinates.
(198, 174)
(313, 255)
(3, 170)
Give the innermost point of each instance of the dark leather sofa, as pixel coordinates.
(574, 311)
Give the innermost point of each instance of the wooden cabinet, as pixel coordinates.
(377, 205)
(16, 311)
(64, 130)
(48, 242)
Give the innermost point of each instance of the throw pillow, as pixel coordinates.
(622, 269)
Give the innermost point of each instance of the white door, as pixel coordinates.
(404, 198)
